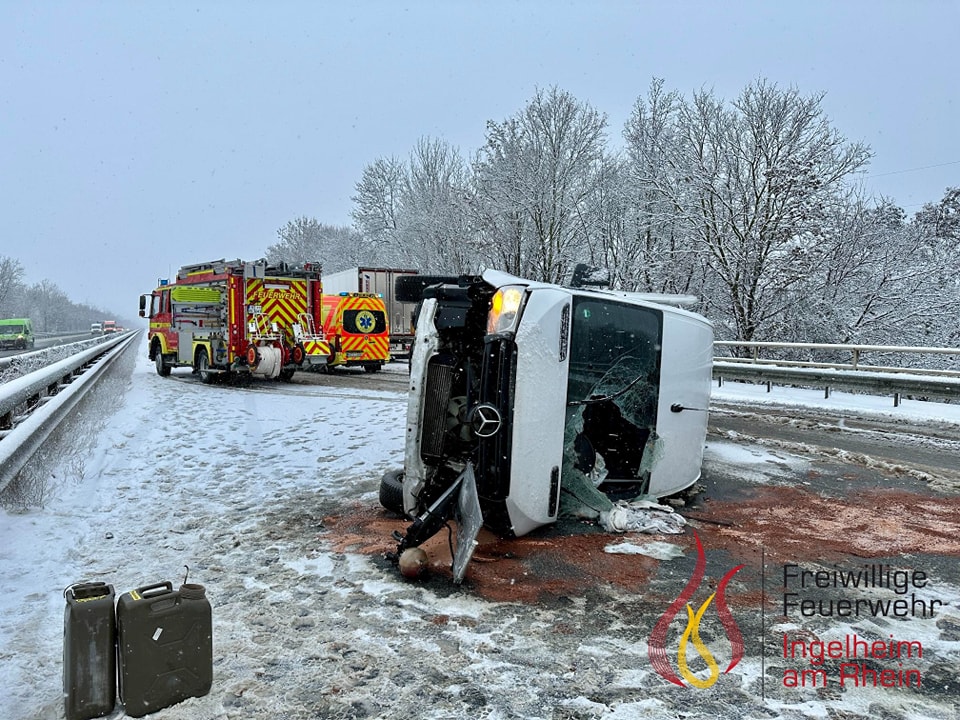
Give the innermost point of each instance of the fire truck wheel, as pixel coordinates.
(372, 368)
(297, 354)
(391, 491)
(286, 375)
(203, 367)
(163, 370)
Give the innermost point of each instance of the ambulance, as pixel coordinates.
(356, 326)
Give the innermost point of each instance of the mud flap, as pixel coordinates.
(469, 521)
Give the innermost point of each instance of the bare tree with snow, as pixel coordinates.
(308, 240)
(534, 179)
(378, 201)
(750, 181)
(11, 276)
(657, 251)
(434, 227)
(416, 214)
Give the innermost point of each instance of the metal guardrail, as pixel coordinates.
(51, 392)
(856, 351)
(48, 335)
(896, 381)
(29, 357)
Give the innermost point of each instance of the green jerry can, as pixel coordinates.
(165, 646)
(89, 651)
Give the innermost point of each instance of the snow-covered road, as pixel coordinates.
(239, 483)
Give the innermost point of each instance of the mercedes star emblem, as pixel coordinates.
(485, 420)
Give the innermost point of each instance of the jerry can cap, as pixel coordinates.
(192, 591)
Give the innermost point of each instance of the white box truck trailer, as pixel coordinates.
(379, 281)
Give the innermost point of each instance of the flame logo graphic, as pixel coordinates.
(657, 651)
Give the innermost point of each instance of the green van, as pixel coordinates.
(16, 333)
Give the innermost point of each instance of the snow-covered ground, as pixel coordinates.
(236, 482)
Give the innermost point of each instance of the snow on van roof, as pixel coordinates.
(498, 278)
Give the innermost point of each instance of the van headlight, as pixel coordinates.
(505, 309)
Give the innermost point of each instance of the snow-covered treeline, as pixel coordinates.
(43, 302)
(752, 204)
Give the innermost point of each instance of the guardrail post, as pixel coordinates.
(896, 399)
(826, 392)
(856, 357)
(769, 385)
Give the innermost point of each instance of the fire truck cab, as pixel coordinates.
(355, 325)
(224, 317)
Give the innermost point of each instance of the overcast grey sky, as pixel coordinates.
(137, 137)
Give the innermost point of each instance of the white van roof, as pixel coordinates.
(498, 278)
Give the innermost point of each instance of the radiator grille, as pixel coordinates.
(436, 401)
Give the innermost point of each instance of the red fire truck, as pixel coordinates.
(225, 317)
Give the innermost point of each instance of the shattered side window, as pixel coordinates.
(612, 393)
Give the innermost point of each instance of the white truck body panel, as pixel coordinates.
(379, 281)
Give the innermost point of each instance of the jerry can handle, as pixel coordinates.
(146, 591)
(87, 590)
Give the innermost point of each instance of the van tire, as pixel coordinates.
(391, 492)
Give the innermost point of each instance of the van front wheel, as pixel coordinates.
(391, 492)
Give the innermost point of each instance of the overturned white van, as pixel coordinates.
(527, 399)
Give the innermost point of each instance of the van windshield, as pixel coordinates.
(612, 391)
(11, 329)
